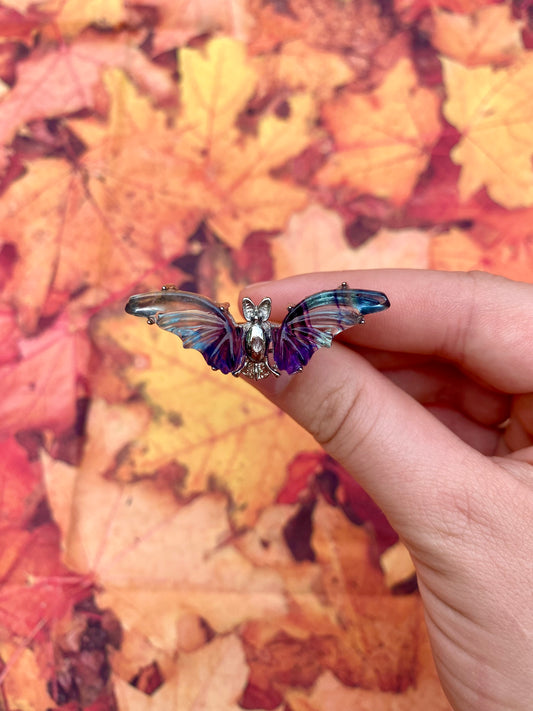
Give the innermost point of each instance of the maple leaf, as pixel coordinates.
(329, 694)
(377, 642)
(214, 427)
(71, 16)
(180, 20)
(506, 254)
(20, 490)
(235, 169)
(314, 241)
(211, 679)
(24, 686)
(492, 109)
(357, 27)
(156, 559)
(301, 67)
(204, 167)
(410, 9)
(383, 139)
(62, 81)
(40, 389)
(9, 336)
(490, 35)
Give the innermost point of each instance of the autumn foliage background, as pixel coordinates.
(168, 539)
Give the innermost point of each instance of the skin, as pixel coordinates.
(429, 406)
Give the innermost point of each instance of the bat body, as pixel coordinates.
(258, 347)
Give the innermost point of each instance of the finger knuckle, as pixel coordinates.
(336, 424)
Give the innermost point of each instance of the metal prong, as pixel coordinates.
(150, 321)
(344, 285)
(169, 287)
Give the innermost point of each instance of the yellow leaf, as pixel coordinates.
(73, 15)
(489, 35)
(253, 199)
(383, 139)
(204, 166)
(216, 427)
(23, 684)
(216, 86)
(301, 67)
(493, 110)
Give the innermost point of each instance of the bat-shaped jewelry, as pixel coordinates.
(257, 347)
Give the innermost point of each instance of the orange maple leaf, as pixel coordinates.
(383, 139)
(493, 110)
(355, 628)
(228, 173)
(490, 35)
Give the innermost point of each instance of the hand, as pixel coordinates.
(414, 404)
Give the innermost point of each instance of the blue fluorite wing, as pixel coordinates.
(199, 322)
(314, 322)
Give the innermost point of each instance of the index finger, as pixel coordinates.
(481, 322)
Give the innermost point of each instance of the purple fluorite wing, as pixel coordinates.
(199, 322)
(314, 322)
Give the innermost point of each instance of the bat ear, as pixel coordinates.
(248, 308)
(265, 308)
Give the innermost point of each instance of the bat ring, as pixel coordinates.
(258, 347)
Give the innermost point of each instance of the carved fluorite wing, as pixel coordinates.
(199, 322)
(314, 322)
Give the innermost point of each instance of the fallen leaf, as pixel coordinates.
(330, 695)
(360, 29)
(63, 81)
(506, 254)
(155, 559)
(315, 241)
(24, 684)
(214, 426)
(20, 484)
(342, 619)
(300, 67)
(491, 35)
(397, 565)
(384, 138)
(492, 108)
(9, 336)
(181, 20)
(211, 679)
(207, 168)
(40, 390)
(71, 16)
(409, 10)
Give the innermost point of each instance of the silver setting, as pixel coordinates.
(257, 339)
